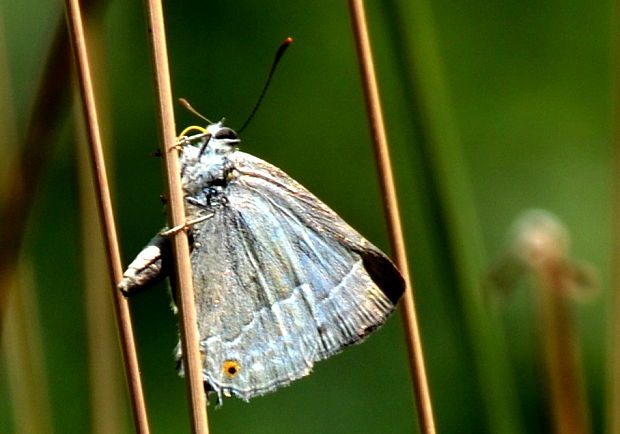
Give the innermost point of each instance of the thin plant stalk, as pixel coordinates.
(104, 203)
(390, 202)
(176, 217)
(560, 348)
(107, 401)
(424, 86)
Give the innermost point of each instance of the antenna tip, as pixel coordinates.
(288, 40)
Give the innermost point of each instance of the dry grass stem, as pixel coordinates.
(176, 216)
(106, 384)
(561, 353)
(104, 203)
(541, 244)
(371, 92)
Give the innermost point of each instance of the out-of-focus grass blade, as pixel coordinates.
(24, 358)
(613, 393)
(20, 342)
(429, 105)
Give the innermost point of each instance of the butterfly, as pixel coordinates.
(280, 280)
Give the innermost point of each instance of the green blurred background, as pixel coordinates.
(516, 93)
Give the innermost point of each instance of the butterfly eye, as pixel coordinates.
(226, 134)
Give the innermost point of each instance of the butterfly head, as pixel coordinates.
(205, 162)
(222, 140)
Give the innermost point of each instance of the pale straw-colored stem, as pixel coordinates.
(105, 371)
(176, 216)
(104, 203)
(373, 104)
(561, 351)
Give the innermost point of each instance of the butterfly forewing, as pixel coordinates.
(287, 283)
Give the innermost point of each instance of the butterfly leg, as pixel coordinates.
(184, 140)
(185, 226)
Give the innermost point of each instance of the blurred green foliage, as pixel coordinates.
(529, 88)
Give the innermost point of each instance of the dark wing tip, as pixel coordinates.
(384, 273)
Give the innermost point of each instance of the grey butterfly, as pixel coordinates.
(280, 280)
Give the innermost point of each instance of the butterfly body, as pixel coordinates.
(280, 280)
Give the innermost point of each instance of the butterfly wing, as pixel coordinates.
(287, 283)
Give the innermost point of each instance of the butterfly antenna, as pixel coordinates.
(276, 60)
(185, 103)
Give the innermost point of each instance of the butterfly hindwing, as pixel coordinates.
(288, 282)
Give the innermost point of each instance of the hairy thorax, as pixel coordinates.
(205, 173)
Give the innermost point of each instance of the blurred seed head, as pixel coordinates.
(538, 244)
(539, 237)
